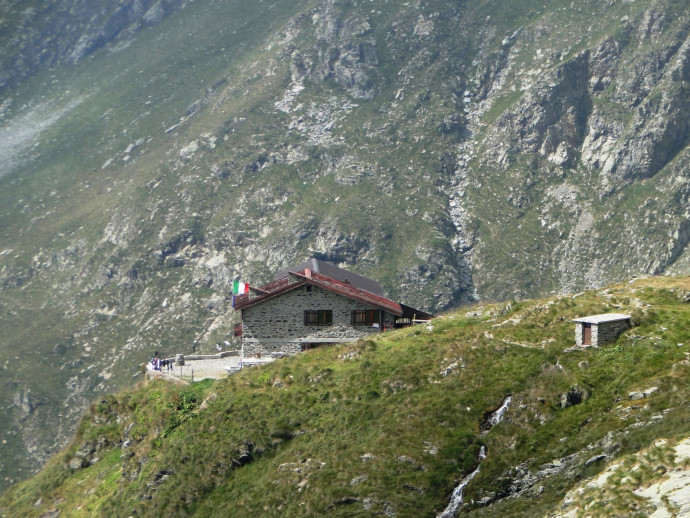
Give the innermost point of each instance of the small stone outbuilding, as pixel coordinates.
(598, 330)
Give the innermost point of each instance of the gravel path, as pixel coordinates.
(196, 370)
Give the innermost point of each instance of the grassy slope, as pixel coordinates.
(373, 426)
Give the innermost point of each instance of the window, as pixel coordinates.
(366, 317)
(319, 317)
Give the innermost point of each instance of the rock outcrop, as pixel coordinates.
(66, 31)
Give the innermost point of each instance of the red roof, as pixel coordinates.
(307, 276)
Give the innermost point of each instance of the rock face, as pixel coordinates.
(445, 150)
(667, 491)
(574, 396)
(66, 31)
(345, 51)
(584, 129)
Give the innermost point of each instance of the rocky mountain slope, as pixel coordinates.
(495, 400)
(151, 150)
(37, 35)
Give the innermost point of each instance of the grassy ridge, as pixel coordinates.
(387, 425)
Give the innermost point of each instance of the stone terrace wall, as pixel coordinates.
(277, 325)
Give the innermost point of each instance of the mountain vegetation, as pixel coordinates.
(456, 151)
(390, 426)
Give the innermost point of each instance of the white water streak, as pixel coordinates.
(497, 416)
(456, 497)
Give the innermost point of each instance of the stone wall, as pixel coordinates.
(277, 324)
(607, 332)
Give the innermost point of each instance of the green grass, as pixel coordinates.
(501, 105)
(348, 423)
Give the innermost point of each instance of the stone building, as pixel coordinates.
(313, 304)
(598, 330)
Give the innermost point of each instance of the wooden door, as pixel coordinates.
(587, 334)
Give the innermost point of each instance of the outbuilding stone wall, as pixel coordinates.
(277, 324)
(579, 334)
(609, 331)
(603, 332)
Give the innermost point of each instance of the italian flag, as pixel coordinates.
(239, 288)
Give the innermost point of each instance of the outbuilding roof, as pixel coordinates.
(603, 318)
